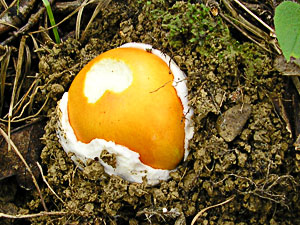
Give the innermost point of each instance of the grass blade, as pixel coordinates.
(52, 21)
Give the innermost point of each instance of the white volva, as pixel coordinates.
(128, 164)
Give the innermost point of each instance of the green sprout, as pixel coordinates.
(52, 21)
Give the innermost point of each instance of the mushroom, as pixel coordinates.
(130, 102)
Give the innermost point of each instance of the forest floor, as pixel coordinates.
(243, 166)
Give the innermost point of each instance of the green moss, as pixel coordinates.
(188, 23)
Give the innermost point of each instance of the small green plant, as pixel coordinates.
(287, 28)
(52, 21)
(187, 22)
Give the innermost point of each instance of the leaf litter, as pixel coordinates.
(28, 143)
(252, 179)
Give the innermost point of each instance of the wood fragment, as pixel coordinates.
(20, 216)
(34, 19)
(62, 7)
(14, 15)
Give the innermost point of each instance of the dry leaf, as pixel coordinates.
(287, 68)
(27, 140)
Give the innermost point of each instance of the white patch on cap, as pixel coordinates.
(106, 75)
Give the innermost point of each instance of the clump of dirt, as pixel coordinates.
(256, 171)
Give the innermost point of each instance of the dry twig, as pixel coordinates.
(9, 20)
(210, 207)
(13, 96)
(78, 19)
(101, 5)
(48, 185)
(252, 32)
(256, 17)
(3, 70)
(33, 215)
(34, 18)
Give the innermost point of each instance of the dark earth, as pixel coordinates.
(243, 167)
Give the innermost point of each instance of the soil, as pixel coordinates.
(241, 155)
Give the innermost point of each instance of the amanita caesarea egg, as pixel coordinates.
(130, 102)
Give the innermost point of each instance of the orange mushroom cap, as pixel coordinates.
(140, 110)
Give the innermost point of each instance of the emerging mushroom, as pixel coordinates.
(129, 102)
